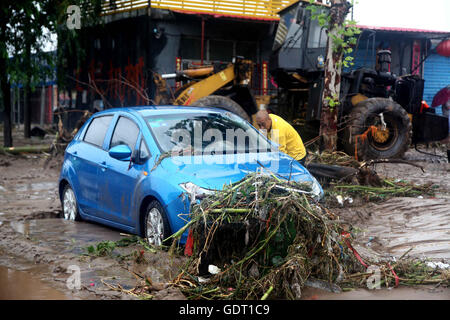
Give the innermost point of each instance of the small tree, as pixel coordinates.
(341, 38)
(24, 26)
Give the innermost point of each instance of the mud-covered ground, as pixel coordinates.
(40, 250)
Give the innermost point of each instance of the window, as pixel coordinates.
(126, 132)
(97, 130)
(144, 154)
(317, 35)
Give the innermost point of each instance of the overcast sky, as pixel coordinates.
(417, 14)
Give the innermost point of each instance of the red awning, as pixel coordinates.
(396, 29)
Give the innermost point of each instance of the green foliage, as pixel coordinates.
(343, 39)
(26, 25)
(102, 249)
(332, 102)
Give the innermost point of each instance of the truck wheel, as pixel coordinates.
(223, 103)
(379, 128)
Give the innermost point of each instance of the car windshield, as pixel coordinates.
(206, 133)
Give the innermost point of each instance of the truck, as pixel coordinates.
(380, 114)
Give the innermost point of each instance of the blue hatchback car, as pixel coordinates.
(137, 169)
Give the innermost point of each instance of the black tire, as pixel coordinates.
(223, 103)
(391, 143)
(69, 204)
(160, 233)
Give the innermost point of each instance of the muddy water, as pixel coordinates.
(21, 285)
(401, 293)
(403, 223)
(64, 236)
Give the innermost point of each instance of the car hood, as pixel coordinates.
(212, 172)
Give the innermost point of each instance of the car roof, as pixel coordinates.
(146, 111)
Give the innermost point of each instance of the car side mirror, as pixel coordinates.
(121, 152)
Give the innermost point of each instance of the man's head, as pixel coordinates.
(263, 120)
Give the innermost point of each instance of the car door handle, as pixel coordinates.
(104, 166)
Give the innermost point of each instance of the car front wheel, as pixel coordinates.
(70, 205)
(156, 226)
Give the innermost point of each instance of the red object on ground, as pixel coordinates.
(443, 49)
(397, 280)
(346, 236)
(188, 249)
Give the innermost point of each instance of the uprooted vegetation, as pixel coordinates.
(348, 179)
(264, 237)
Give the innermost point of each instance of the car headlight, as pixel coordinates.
(194, 191)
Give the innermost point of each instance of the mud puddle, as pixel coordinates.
(21, 285)
(400, 293)
(76, 235)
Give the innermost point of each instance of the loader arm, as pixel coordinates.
(206, 86)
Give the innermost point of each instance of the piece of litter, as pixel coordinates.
(439, 265)
(340, 200)
(202, 280)
(213, 269)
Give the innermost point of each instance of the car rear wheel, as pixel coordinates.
(156, 225)
(70, 205)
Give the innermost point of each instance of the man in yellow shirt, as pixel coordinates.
(281, 132)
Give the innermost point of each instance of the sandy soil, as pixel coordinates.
(35, 240)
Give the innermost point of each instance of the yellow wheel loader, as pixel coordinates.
(211, 86)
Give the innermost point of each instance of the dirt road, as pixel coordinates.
(38, 246)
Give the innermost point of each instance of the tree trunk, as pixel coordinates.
(6, 102)
(27, 111)
(5, 93)
(6, 97)
(27, 91)
(332, 83)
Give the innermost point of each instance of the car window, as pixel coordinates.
(96, 132)
(143, 151)
(126, 132)
(206, 132)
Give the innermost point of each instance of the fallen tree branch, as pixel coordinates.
(368, 163)
(25, 149)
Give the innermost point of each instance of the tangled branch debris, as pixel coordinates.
(388, 188)
(266, 238)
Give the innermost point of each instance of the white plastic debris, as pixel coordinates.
(439, 265)
(340, 200)
(202, 280)
(213, 269)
